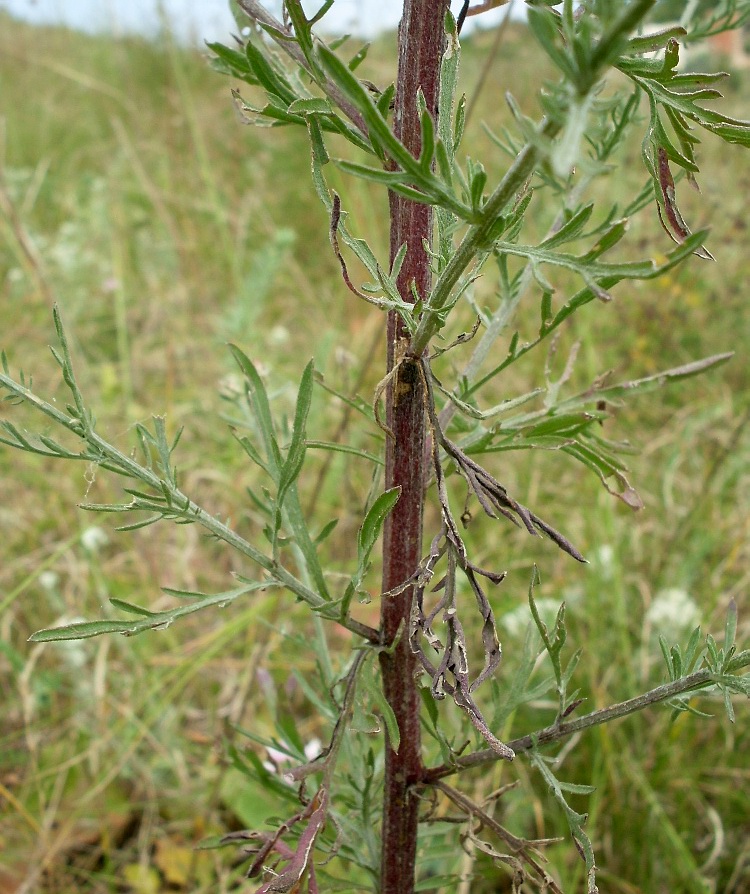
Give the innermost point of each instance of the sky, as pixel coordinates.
(200, 20)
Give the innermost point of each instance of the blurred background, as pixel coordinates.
(131, 195)
(197, 20)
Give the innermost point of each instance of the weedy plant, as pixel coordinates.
(355, 815)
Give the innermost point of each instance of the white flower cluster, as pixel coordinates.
(672, 609)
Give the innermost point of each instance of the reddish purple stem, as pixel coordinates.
(421, 38)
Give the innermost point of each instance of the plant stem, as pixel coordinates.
(698, 680)
(478, 235)
(259, 14)
(516, 176)
(421, 38)
(105, 454)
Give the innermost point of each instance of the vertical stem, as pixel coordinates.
(421, 37)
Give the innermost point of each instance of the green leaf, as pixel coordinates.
(136, 526)
(325, 531)
(359, 57)
(373, 687)
(738, 661)
(571, 229)
(325, 6)
(363, 407)
(385, 100)
(151, 621)
(296, 453)
(675, 257)
(594, 273)
(567, 150)
(164, 449)
(428, 700)
(285, 472)
(269, 77)
(728, 706)
(361, 249)
(614, 41)
(371, 527)
(732, 130)
(677, 661)
(567, 675)
(611, 236)
(576, 789)
(613, 393)
(508, 698)
(575, 820)
(250, 450)
(589, 451)
(692, 651)
(545, 310)
(261, 410)
(649, 43)
(449, 66)
(380, 132)
(346, 448)
(476, 185)
(129, 607)
(713, 652)
(82, 630)
(730, 628)
(314, 106)
(427, 127)
(543, 26)
(562, 424)
(391, 179)
(232, 62)
(475, 413)
(740, 685)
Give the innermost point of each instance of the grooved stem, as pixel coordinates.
(421, 37)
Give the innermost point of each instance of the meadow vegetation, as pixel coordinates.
(131, 195)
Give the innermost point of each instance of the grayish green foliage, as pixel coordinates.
(476, 223)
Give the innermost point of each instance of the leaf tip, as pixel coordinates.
(631, 498)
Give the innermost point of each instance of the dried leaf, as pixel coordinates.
(671, 219)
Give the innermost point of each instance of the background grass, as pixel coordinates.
(133, 197)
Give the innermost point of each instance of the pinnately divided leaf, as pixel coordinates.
(150, 621)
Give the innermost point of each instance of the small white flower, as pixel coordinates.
(673, 608)
(93, 538)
